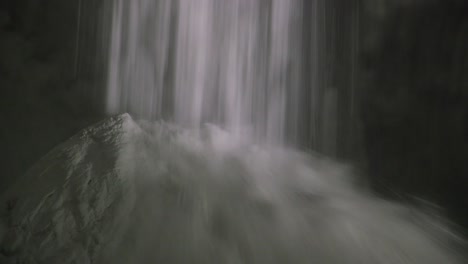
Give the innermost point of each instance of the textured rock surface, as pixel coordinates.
(63, 209)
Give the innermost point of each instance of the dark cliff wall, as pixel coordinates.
(43, 97)
(415, 101)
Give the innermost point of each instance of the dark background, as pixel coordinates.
(404, 63)
(414, 76)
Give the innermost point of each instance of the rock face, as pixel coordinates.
(127, 192)
(63, 209)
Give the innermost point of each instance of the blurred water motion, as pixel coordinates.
(235, 63)
(307, 75)
(256, 68)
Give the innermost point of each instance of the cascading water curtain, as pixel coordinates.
(257, 68)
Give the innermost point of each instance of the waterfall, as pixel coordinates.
(234, 63)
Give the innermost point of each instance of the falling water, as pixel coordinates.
(235, 63)
(195, 195)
